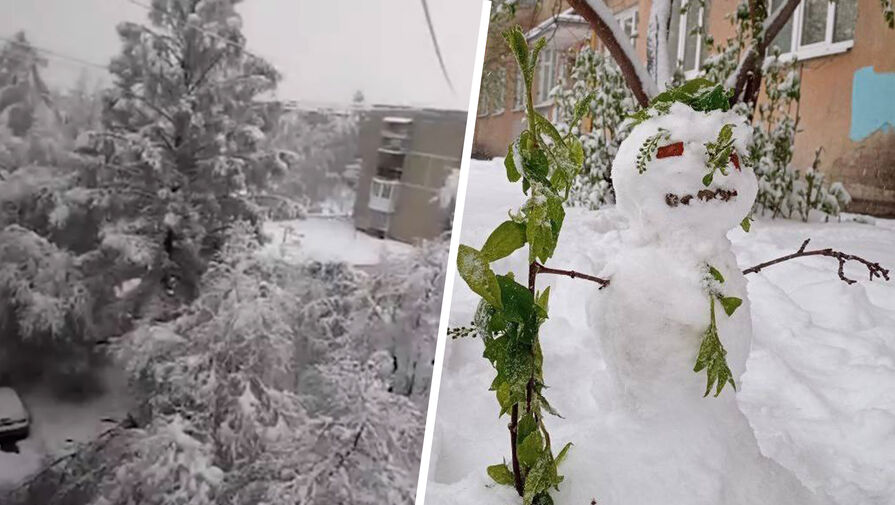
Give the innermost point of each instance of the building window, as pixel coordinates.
(627, 19)
(381, 189)
(500, 91)
(519, 96)
(546, 74)
(685, 37)
(483, 99)
(817, 28)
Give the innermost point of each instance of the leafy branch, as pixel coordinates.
(712, 357)
(509, 314)
(719, 153)
(648, 149)
(874, 269)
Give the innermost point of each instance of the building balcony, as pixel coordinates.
(383, 194)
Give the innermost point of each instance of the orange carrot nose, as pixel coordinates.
(675, 149)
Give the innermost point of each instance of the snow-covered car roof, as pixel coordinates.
(11, 406)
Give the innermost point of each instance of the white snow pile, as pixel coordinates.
(328, 239)
(816, 389)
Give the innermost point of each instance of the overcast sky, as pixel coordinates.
(325, 49)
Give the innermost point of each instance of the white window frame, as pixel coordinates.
(383, 194)
(631, 15)
(519, 96)
(682, 40)
(502, 95)
(546, 61)
(825, 47)
(482, 109)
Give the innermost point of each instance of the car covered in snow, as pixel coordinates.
(14, 419)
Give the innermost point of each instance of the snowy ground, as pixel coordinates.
(819, 380)
(58, 426)
(328, 239)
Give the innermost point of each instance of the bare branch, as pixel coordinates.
(541, 269)
(874, 269)
(603, 23)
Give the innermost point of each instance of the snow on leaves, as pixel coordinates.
(712, 355)
(509, 315)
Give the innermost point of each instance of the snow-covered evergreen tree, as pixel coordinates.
(183, 144)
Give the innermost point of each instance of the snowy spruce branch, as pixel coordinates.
(875, 270)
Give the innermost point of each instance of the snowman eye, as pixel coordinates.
(675, 149)
(735, 159)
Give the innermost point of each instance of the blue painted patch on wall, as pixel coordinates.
(872, 103)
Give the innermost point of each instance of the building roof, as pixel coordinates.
(565, 18)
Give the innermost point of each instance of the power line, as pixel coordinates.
(437, 48)
(197, 28)
(55, 54)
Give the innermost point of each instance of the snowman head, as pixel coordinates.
(667, 189)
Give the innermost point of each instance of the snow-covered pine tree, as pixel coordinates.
(183, 142)
(604, 126)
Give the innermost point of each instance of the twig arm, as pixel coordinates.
(541, 269)
(874, 269)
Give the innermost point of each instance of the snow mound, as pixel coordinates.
(328, 239)
(816, 389)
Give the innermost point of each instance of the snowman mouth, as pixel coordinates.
(704, 195)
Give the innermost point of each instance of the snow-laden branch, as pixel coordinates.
(657, 56)
(750, 62)
(874, 269)
(603, 22)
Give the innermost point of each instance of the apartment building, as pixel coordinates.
(405, 156)
(846, 56)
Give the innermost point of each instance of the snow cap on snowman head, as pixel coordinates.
(683, 167)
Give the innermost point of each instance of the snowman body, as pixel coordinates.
(653, 316)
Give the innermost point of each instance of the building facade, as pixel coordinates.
(405, 156)
(846, 56)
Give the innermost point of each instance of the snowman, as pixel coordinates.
(674, 323)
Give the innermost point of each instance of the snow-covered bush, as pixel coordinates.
(603, 128)
(268, 388)
(407, 295)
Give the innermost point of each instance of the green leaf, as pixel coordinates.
(648, 149)
(501, 474)
(576, 153)
(707, 179)
(531, 448)
(540, 478)
(527, 426)
(509, 162)
(716, 274)
(505, 239)
(581, 109)
(700, 94)
(544, 299)
(475, 270)
(518, 302)
(712, 358)
(562, 453)
(533, 59)
(519, 46)
(730, 304)
(545, 126)
(718, 153)
(746, 224)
